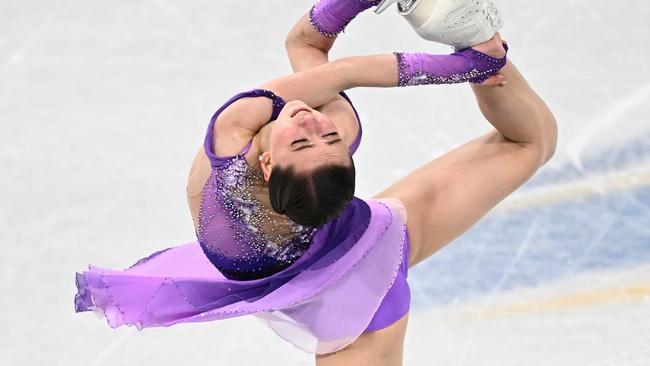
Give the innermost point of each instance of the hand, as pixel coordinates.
(495, 80)
(494, 48)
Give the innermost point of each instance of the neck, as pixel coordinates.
(261, 143)
(264, 137)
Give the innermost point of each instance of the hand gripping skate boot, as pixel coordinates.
(458, 23)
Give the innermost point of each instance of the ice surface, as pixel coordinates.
(104, 104)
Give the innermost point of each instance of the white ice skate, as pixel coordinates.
(458, 23)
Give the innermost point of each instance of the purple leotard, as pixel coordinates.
(350, 279)
(244, 238)
(231, 222)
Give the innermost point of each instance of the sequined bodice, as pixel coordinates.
(238, 230)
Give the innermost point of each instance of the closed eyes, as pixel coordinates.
(331, 142)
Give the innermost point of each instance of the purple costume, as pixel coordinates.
(416, 68)
(330, 17)
(317, 288)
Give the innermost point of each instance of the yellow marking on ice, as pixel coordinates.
(596, 297)
(577, 190)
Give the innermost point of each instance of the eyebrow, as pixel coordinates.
(309, 146)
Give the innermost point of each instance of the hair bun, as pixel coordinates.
(312, 199)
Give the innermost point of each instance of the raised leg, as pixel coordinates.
(515, 110)
(448, 195)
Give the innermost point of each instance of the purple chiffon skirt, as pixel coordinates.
(321, 308)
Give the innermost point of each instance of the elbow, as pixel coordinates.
(294, 39)
(290, 41)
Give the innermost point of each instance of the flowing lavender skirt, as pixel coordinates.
(320, 309)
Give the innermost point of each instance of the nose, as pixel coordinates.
(309, 122)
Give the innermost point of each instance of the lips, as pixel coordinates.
(298, 110)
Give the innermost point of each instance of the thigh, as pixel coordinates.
(448, 195)
(383, 347)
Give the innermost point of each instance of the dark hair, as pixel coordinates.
(315, 198)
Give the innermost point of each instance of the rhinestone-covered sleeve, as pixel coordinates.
(330, 17)
(467, 65)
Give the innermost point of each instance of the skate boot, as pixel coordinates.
(458, 23)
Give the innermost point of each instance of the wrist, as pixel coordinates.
(330, 17)
(418, 68)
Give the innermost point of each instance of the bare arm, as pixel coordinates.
(306, 47)
(314, 86)
(318, 84)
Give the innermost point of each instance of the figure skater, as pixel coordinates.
(280, 234)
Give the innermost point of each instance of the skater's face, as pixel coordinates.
(304, 138)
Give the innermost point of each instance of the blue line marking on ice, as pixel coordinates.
(528, 247)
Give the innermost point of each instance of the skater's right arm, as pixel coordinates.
(314, 86)
(306, 47)
(317, 85)
(309, 41)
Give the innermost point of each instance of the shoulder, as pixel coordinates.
(238, 123)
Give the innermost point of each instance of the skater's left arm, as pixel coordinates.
(305, 46)
(311, 38)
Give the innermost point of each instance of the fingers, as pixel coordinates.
(495, 80)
